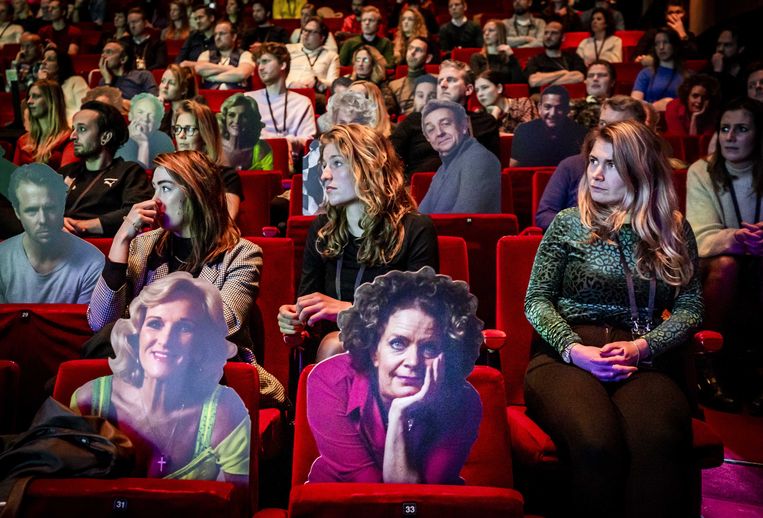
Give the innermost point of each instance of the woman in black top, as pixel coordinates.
(496, 55)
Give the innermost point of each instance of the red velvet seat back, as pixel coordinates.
(514, 260)
(523, 54)
(539, 183)
(295, 196)
(296, 230)
(521, 184)
(679, 184)
(215, 98)
(259, 187)
(454, 259)
(9, 392)
(280, 147)
(464, 54)
(489, 462)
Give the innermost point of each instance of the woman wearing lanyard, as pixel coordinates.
(370, 227)
(724, 207)
(615, 286)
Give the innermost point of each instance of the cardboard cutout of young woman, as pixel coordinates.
(241, 126)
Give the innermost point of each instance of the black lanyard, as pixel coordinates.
(636, 326)
(736, 205)
(312, 63)
(273, 117)
(338, 278)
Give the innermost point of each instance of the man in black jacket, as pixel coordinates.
(102, 189)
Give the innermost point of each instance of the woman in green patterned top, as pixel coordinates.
(614, 286)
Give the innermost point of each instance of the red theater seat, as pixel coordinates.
(281, 155)
(521, 185)
(215, 98)
(9, 393)
(420, 183)
(259, 187)
(539, 182)
(464, 54)
(523, 55)
(454, 258)
(573, 39)
(296, 230)
(295, 196)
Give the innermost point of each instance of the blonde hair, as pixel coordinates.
(380, 184)
(379, 64)
(650, 201)
(400, 45)
(500, 29)
(383, 125)
(52, 129)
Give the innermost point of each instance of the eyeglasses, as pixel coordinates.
(189, 130)
(362, 60)
(309, 32)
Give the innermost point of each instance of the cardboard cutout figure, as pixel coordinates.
(164, 393)
(241, 126)
(397, 407)
(146, 141)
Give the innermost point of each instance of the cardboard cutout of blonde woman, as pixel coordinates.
(146, 141)
(164, 393)
(396, 407)
(241, 126)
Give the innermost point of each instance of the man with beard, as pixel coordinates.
(523, 29)
(728, 64)
(116, 71)
(203, 38)
(226, 67)
(551, 138)
(263, 30)
(102, 188)
(45, 264)
(554, 67)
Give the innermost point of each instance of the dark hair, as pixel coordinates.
(717, 166)
(137, 10)
(675, 42)
(322, 27)
(109, 119)
(233, 29)
(207, 10)
(710, 84)
(41, 175)
(64, 61)
(608, 19)
(736, 34)
(426, 78)
(458, 111)
(490, 75)
(126, 52)
(610, 69)
(559, 90)
(448, 302)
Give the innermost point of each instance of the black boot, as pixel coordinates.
(711, 394)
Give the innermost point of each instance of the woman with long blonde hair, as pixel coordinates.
(49, 131)
(371, 226)
(411, 24)
(615, 287)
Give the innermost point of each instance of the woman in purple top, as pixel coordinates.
(397, 407)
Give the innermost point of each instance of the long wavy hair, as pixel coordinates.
(500, 29)
(400, 44)
(212, 230)
(254, 124)
(378, 64)
(650, 201)
(675, 42)
(47, 132)
(373, 93)
(380, 184)
(209, 130)
(719, 174)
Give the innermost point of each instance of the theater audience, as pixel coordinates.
(508, 111)
(369, 35)
(602, 44)
(44, 264)
(178, 28)
(147, 50)
(469, 179)
(548, 140)
(424, 90)
(658, 84)
(202, 37)
(146, 141)
(23, 16)
(755, 81)
(369, 65)
(307, 12)
(411, 25)
(723, 204)
(312, 64)
(524, 29)
(176, 86)
(48, 132)
(676, 18)
(728, 63)
(225, 67)
(561, 192)
(102, 188)
(598, 378)
(196, 235)
(554, 66)
(695, 111)
(60, 33)
(459, 31)
(599, 83)
(617, 16)
(28, 61)
(241, 127)
(371, 92)
(496, 55)
(263, 30)
(116, 71)
(416, 57)
(9, 31)
(57, 66)
(370, 227)
(561, 11)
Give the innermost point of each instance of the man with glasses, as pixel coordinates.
(369, 23)
(102, 188)
(204, 36)
(226, 67)
(312, 64)
(459, 31)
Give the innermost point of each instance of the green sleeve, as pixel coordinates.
(262, 157)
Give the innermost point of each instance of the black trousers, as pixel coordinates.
(627, 445)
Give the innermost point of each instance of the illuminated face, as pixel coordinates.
(409, 345)
(369, 24)
(170, 200)
(143, 113)
(236, 120)
(662, 47)
(737, 136)
(362, 64)
(259, 14)
(604, 181)
(727, 45)
(169, 89)
(38, 106)
(552, 36)
(202, 21)
(225, 39)
(136, 23)
(166, 338)
(452, 87)
(338, 180)
(85, 136)
(50, 64)
(457, 9)
(231, 8)
(55, 10)
(755, 85)
(304, 15)
(407, 21)
(270, 69)
(490, 34)
(598, 23)
(424, 93)
(698, 98)
(598, 82)
(175, 12)
(120, 20)
(551, 110)
(188, 138)
(416, 55)
(487, 92)
(609, 116)
(113, 55)
(41, 215)
(442, 131)
(311, 35)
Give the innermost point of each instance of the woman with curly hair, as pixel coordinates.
(602, 44)
(380, 100)
(496, 55)
(370, 227)
(411, 24)
(48, 132)
(369, 65)
(241, 126)
(615, 285)
(695, 111)
(396, 407)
